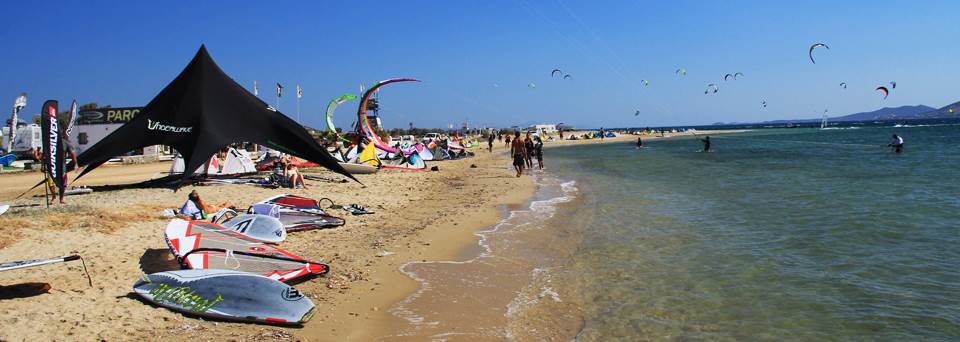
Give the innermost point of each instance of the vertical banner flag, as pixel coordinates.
(255, 91)
(279, 90)
(72, 117)
(52, 143)
(18, 104)
(299, 91)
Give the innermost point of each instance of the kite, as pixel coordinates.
(764, 103)
(728, 76)
(363, 124)
(884, 90)
(567, 76)
(843, 84)
(814, 46)
(645, 82)
(681, 71)
(556, 72)
(331, 107)
(711, 85)
(531, 85)
(637, 113)
(737, 73)
(893, 84)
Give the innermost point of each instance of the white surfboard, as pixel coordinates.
(226, 294)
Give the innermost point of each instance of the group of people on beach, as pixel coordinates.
(524, 151)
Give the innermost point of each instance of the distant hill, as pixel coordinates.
(887, 113)
(950, 111)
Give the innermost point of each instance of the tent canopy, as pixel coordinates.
(202, 111)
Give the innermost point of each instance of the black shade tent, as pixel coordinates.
(202, 111)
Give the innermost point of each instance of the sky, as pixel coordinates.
(477, 59)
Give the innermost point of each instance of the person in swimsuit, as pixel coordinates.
(706, 143)
(519, 152)
(639, 142)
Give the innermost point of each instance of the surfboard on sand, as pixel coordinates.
(226, 294)
(207, 245)
(258, 227)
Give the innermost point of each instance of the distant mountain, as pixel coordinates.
(887, 113)
(950, 111)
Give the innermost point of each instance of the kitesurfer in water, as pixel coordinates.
(706, 144)
(639, 142)
(896, 143)
(519, 152)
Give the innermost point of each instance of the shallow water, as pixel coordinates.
(488, 294)
(797, 234)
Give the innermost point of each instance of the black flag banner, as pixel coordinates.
(52, 144)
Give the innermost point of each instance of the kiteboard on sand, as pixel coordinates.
(4, 208)
(226, 294)
(207, 245)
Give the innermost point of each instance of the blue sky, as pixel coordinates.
(476, 58)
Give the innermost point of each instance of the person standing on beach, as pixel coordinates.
(706, 144)
(528, 146)
(896, 143)
(490, 143)
(499, 136)
(508, 139)
(538, 151)
(519, 152)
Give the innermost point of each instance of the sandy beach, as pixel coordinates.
(419, 216)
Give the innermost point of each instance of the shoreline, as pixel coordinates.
(420, 216)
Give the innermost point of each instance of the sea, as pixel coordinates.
(800, 234)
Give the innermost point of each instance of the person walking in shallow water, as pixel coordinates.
(528, 146)
(706, 144)
(538, 152)
(519, 152)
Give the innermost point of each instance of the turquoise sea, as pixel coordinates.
(778, 234)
